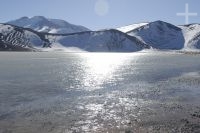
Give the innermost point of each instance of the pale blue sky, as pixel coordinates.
(82, 12)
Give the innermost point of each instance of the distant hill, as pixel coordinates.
(42, 24)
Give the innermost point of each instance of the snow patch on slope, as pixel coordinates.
(191, 33)
(131, 27)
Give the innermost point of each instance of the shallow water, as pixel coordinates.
(99, 92)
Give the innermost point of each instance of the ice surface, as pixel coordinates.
(64, 92)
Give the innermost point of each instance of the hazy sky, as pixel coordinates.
(98, 14)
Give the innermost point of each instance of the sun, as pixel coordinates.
(102, 7)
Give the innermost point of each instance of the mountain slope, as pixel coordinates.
(101, 41)
(191, 34)
(19, 39)
(15, 38)
(131, 27)
(42, 24)
(160, 35)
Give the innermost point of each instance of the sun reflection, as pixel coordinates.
(100, 68)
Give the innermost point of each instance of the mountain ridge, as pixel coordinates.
(43, 24)
(158, 35)
(93, 41)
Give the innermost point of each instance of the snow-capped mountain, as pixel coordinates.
(42, 24)
(160, 35)
(18, 38)
(101, 41)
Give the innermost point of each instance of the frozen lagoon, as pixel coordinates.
(59, 92)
